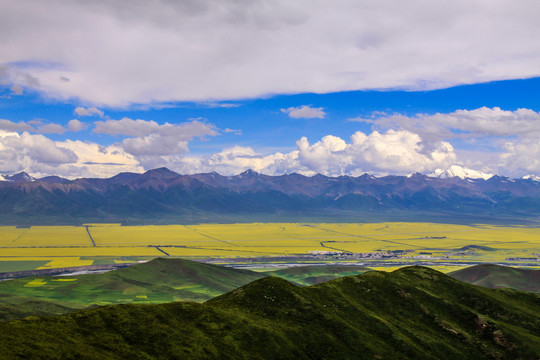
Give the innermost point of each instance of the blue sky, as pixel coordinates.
(332, 88)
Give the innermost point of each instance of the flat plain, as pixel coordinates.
(377, 245)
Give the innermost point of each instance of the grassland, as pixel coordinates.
(412, 313)
(155, 282)
(380, 244)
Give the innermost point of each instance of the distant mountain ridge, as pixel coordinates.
(162, 193)
(460, 172)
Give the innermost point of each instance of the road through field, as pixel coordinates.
(90, 235)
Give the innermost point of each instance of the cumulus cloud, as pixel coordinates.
(31, 152)
(280, 46)
(505, 141)
(236, 159)
(520, 158)
(305, 112)
(95, 160)
(90, 111)
(12, 126)
(395, 152)
(392, 152)
(153, 144)
(475, 123)
(51, 129)
(137, 128)
(76, 125)
(38, 126)
(41, 156)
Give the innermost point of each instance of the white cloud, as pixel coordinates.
(205, 50)
(51, 129)
(12, 126)
(237, 159)
(76, 125)
(505, 142)
(18, 79)
(98, 161)
(393, 152)
(305, 112)
(31, 152)
(475, 123)
(138, 128)
(41, 127)
(90, 111)
(155, 145)
(40, 156)
(520, 158)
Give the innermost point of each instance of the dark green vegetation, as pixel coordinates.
(158, 281)
(17, 307)
(23, 265)
(411, 313)
(163, 196)
(311, 275)
(495, 276)
(165, 280)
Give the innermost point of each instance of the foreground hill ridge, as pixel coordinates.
(164, 194)
(165, 280)
(411, 313)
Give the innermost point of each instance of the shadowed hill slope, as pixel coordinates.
(412, 313)
(496, 276)
(158, 281)
(311, 275)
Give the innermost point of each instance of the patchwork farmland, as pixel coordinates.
(378, 245)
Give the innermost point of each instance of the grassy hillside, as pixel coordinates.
(412, 313)
(158, 281)
(495, 276)
(16, 307)
(311, 275)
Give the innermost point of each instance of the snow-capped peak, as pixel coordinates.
(460, 172)
(20, 177)
(2, 178)
(531, 177)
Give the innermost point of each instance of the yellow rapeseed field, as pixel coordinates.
(436, 243)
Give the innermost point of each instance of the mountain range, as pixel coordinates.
(164, 195)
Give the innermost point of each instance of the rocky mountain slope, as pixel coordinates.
(161, 193)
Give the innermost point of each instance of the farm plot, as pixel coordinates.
(404, 243)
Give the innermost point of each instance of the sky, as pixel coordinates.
(94, 88)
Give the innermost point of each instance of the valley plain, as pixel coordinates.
(445, 247)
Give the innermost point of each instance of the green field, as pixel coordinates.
(443, 246)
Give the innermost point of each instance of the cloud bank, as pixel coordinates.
(162, 51)
(505, 142)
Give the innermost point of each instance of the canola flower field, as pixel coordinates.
(444, 246)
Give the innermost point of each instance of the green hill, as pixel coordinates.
(496, 276)
(16, 307)
(411, 313)
(158, 281)
(311, 275)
